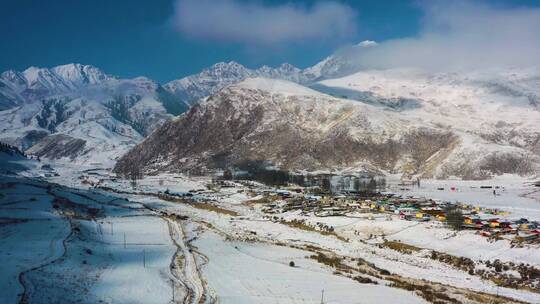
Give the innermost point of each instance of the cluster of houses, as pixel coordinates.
(490, 223)
(492, 226)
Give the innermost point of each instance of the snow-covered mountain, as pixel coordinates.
(402, 121)
(71, 110)
(469, 124)
(79, 104)
(495, 113)
(192, 88)
(79, 112)
(195, 87)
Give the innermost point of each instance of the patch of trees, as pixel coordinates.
(119, 108)
(53, 113)
(262, 171)
(11, 150)
(134, 175)
(500, 163)
(454, 218)
(266, 173)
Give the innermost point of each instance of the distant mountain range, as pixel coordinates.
(79, 113)
(192, 88)
(327, 117)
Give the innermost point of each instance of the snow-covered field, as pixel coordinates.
(75, 256)
(31, 235)
(418, 266)
(122, 255)
(243, 272)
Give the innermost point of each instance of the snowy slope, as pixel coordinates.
(298, 128)
(77, 112)
(495, 113)
(269, 278)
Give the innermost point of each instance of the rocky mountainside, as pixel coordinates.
(77, 112)
(296, 128)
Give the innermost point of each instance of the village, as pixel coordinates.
(314, 200)
(492, 223)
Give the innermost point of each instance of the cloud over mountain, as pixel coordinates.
(460, 35)
(257, 23)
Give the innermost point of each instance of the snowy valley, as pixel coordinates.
(196, 239)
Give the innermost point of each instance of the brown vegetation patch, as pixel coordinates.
(429, 293)
(214, 208)
(199, 205)
(401, 247)
(75, 210)
(303, 226)
(461, 263)
(263, 201)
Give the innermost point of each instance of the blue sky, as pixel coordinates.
(168, 39)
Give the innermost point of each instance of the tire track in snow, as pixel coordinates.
(196, 291)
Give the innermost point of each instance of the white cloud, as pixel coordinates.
(460, 35)
(367, 43)
(256, 23)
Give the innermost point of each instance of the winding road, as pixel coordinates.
(189, 274)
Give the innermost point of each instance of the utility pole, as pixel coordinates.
(172, 288)
(124, 240)
(112, 228)
(144, 258)
(322, 296)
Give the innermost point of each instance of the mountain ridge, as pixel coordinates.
(296, 128)
(79, 113)
(66, 108)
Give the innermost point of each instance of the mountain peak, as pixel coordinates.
(80, 74)
(227, 65)
(63, 77)
(32, 73)
(288, 67)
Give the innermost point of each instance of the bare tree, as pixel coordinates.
(134, 175)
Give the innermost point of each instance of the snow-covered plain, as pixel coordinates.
(231, 259)
(418, 266)
(31, 235)
(243, 272)
(121, 256)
